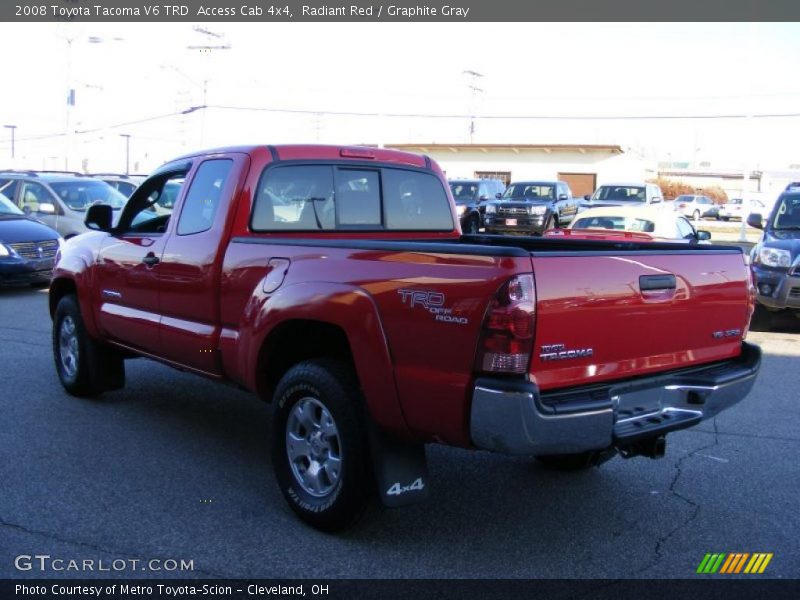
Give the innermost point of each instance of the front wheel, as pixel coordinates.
(319, 445)
(473, 226)
(696, 215)
(552, 222)
(85, 367)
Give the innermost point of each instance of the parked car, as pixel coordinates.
(374, 327)
(27, 247)
(531, 207)
(58, 199)
(650, 222)
(737, 208)
(696, 207)
(775, 260)
(625, 194)
(124, 184)
(470, 196)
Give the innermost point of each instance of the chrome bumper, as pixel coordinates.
(512, 417)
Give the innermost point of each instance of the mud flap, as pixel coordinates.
(401, 469)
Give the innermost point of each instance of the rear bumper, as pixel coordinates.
(512, 417)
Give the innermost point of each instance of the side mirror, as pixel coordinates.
(498, 195)
(563, 197)
(656, 201)
(483, 198)
(46, 207)
(587, 197)
(99, 217)
(703, 236)
(755, 220)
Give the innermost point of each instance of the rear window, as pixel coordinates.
(615, 222)
(624, 193)
(343, 197)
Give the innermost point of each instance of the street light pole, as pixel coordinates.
(13, 129)
(127, 137)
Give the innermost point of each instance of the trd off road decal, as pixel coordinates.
(433, 302)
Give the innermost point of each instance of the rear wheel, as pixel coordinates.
(761, 319)
(696, 215)
(319, 445)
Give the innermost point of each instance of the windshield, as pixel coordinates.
(627, 193)
(684, 198)
(7, 207)
(530, 191)
(464, 192)
(80, 195)
(787, 215)
(616, 222)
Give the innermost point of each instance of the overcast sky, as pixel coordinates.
(123, 73)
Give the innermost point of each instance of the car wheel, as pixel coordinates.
(725, 218)
(571, 462)
(552, 222)
(473, 226)
(319, 445)
(696, 215)
(85, 367)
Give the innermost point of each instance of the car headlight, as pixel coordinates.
(4, 251)
(491, 208)
(461, 209)
(774, 257)
(537, 210)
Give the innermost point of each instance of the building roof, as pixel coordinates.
(517, 148)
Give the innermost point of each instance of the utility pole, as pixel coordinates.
(474, 76)
(127, 137)
(206, 48)
(13, 129)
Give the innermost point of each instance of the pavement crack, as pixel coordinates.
(658, 554)
(757, 436)
(97, 547)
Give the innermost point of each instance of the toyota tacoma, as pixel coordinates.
(335, 283)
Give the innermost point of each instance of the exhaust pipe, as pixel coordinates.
(653, 447)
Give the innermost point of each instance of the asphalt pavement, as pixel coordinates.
(177, 467)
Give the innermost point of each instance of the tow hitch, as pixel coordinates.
(653, 447)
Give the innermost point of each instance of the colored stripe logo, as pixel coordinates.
(734, 563)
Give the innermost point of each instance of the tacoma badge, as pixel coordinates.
(560, 352)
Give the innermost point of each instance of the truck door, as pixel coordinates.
(128, 264)
(189, 271)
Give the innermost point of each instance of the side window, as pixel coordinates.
(151, 213)
(33, 194)
(483, 190)
(8, 187)
(203, 197)
(685, 229)
(126, 188)
(294, 198)
(358, 198)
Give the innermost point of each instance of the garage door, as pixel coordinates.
(580, 183)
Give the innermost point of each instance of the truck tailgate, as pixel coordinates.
(602, 316)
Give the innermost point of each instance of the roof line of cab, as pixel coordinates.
(324, 152)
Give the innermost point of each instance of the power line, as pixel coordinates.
(320, 113)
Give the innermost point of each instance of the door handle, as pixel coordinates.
(151, 259)
(655, 283)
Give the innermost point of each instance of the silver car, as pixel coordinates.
(58, 199)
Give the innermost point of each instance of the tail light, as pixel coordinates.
(751, 298)
(682, 205)
(507, 337)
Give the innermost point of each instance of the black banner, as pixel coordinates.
(483, 589)
(399, 10)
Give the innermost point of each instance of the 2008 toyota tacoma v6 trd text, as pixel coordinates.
(335, 283)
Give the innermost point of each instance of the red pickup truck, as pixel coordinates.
(335, 283)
